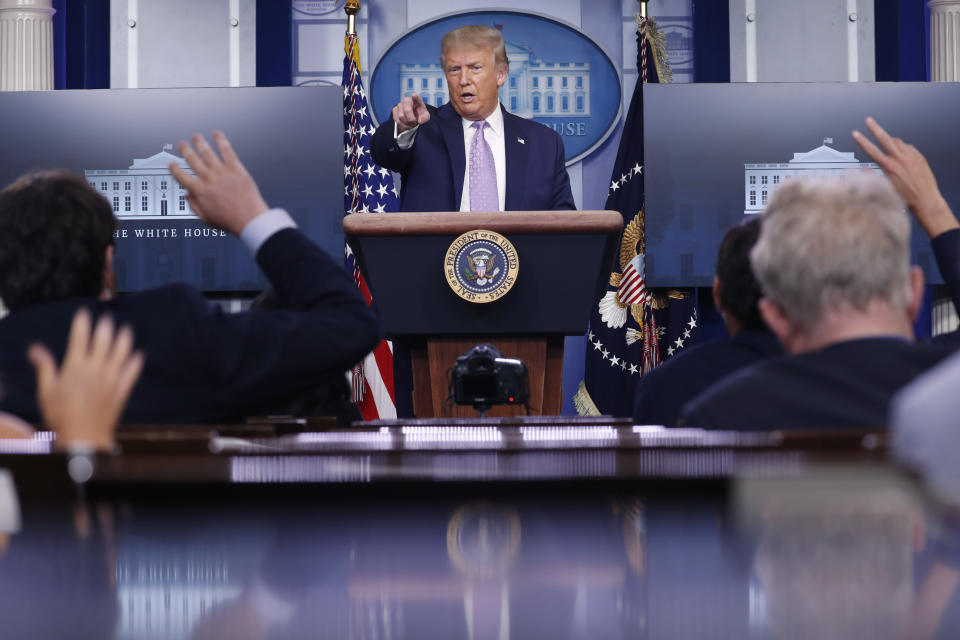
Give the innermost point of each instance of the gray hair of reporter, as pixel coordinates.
(833, 243)
(475, 35)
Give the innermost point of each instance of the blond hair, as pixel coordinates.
(475, 35)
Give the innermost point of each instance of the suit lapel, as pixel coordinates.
(451, 127)
(516, 152)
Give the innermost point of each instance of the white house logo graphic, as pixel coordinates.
(145, 191)
(760, 180)
(317, 7)
(533, 87)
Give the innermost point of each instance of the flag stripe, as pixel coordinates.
(631, 297)
(635, 298)
(632, 287)
(384, 357)
(630, 282)
(379, 396)
(362, 285)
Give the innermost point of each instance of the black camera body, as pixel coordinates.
(482, 377)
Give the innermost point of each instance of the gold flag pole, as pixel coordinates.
(643, 8)
(352, 8)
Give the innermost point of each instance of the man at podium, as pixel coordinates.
(471, 154)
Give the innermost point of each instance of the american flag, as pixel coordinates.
(366, 188)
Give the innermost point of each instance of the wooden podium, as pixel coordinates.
(563, 256)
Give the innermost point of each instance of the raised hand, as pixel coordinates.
(911, 176)
(82, 401)
(409, 113)
(222, 193)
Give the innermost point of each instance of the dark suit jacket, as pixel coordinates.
(661, 393)
(432, 169)
(205, 365)
(847, 384)
(946, 249)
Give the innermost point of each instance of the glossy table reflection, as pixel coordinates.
(479, 530)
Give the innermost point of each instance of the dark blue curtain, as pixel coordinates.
(274, 43)
(902, 46)
(81, 44)
(711, 41)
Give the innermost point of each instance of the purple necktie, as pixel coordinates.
(483, 174)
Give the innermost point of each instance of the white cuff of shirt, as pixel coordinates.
(261, 228)
(405, 139)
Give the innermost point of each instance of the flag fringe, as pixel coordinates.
(357, 384)
(661, 57)
(584, 403)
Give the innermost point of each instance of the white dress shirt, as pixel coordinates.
(261, 228)
(494, 135)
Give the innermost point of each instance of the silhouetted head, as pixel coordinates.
(56, 239)
(736, 289)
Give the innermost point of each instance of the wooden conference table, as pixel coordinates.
(499, 528)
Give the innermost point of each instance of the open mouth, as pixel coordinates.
(467, 97)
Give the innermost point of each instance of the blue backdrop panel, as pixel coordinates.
(696, 185)
(289, 138)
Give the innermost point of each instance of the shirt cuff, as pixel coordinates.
(405, 139)
(261, 228)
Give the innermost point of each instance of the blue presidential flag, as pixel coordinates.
(366, 188)
(632, 328)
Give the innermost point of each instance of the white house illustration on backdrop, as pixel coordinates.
(533, 87)
(760, 180)
(146, 190)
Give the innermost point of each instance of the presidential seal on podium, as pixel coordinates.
(481, 266)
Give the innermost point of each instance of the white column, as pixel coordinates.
(853, 42)
(750, 45)
(944, 40)
(26, 45)
(944, 67)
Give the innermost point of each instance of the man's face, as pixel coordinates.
(473, 79)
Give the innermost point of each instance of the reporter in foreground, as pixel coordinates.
(202, 365)
(833, 260)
